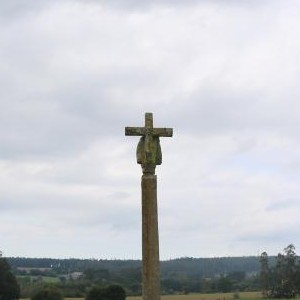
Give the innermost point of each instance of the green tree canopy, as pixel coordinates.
(47, 293)
(282, 280)
(9, 289)
(113, 292)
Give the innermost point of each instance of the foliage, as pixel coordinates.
(265, 274)
(9, 289)
(178, 276)
(47, 293)
(202, 267)
(282, 280)
(113, 292)
(224, 284)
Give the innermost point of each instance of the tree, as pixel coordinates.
(97, 274)
(47, 293)
(281, 281)
(284, 272)
(224, 284)
(113, 292)
(265, 274)
(9, 289)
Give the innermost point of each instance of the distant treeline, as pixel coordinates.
(183, 275)
(202, 267)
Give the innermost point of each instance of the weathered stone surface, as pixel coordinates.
(148, 152)
(149, 155)
(151, 278)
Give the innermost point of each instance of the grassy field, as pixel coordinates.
(47, 279)
(218, 296)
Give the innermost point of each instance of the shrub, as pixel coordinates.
(9, 288)
(47, 293)
(113, 292)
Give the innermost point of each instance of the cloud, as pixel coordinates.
(75, 73)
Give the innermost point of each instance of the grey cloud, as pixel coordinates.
(73, 211)
(136, 4)
(44, 136)
(43, 202)
(38, 121)
(209, 112)
(70, 87)
(80, 109)
(57, 126)
(15, 9)
(279, 236)
(212, 111)
(285, 204)
(115, 215)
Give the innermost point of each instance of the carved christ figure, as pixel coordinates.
(148, 153)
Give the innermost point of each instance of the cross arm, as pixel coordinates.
(165, 132)
(136, 131)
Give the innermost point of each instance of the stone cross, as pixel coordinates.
(148, 152)
(149, 155)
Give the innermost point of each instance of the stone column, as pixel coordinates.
(150, 244)
(149, 155)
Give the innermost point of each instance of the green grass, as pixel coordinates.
(216, 296)
(47, 279)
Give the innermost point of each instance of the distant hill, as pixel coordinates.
(200, 267)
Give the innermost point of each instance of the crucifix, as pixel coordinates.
(149, 155)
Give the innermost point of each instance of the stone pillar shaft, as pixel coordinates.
(150, 244)
(149, 155)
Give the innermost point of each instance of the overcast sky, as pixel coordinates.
(223, 74)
